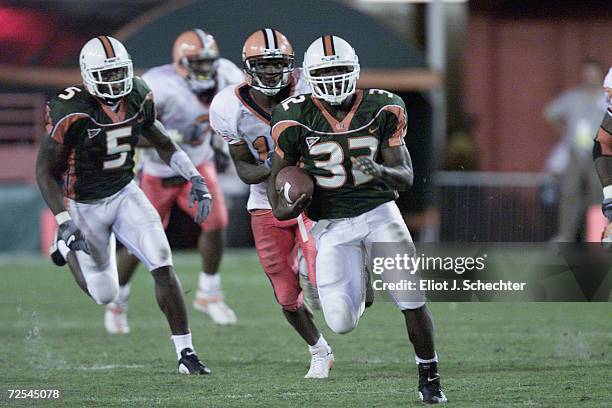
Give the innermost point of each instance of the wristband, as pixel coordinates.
(607, 192)
(62, 217)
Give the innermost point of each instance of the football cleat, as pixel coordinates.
(191, 364)
(321, 362)
(55, 254)
(115, 319)
(215, 307)
(430, 391)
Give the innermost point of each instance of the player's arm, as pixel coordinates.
(602, 154)
(176, 158)
(281, 209)
(51, 163)
(396, 169)
(249, 171)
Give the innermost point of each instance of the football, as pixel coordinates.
(294, 181)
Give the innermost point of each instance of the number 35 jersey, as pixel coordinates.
(305, 131)
(236, 116)
(101, 141)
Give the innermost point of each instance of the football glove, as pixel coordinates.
(367, 166)
(72, 236)
(199, 192)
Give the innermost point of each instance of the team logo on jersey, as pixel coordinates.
(93, 132)
(311, 140)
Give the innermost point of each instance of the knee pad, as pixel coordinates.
(410, 305)
(102, 288)
(339, 315)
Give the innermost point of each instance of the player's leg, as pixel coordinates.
(339, 266)
(307, 256)
(209, 296)
(139, 227)
(386, 225)
(162, 198)
(275, 242)
(95, 274)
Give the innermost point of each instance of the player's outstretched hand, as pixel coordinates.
(367, 166)
(73, 237)
(199, 192)
(286, 211)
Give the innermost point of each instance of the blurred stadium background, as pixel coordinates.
(475, 75)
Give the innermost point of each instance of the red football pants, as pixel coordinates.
(277, 243)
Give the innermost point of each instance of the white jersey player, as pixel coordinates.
(241, 114)
(183, 91)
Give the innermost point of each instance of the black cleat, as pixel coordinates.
(55, 254)
(430, 391)
(191, 364)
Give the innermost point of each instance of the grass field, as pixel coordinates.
(492, 354)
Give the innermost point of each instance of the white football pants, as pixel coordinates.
(131, 217)
(343, 245)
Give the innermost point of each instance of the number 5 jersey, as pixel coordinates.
(101, 140)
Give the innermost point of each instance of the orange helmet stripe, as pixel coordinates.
(328, 45)
(108, 47)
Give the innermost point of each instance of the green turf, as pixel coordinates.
(492, 354)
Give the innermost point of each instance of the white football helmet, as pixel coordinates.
(106, 68)
(328, 52)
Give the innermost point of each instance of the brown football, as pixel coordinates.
(294, 182)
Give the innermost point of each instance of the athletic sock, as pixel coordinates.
(424, 361)
(122, 296)
(320, 343)
(209, 285)
(181, 342)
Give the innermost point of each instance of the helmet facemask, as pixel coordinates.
(110, 82)
(200, 68)
(269, 74)
(333, 82)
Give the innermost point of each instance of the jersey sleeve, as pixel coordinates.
(62, 121)
(148, 107)
(223, 120)
(230, 73)
(394, 123)
(286, 133)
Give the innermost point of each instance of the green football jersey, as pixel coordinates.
(101, 141)
(305, 132)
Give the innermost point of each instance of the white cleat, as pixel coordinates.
(115, 319)
(321, 363)
(215, 307)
